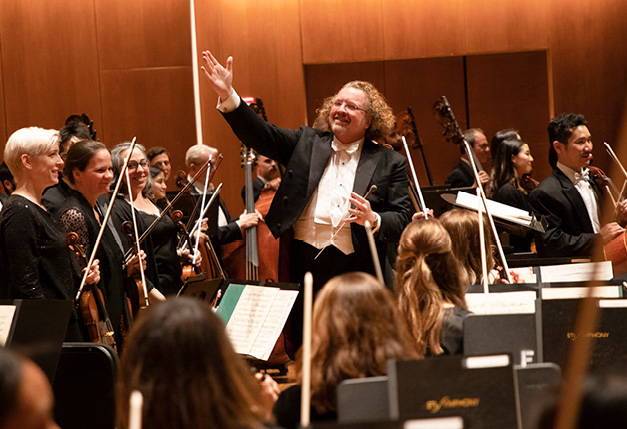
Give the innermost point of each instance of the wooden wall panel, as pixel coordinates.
(346, 31)
(590, 66)
(264, 40)
(153, 105)
(3, 115)
(423, 28)
(419, 84)
(143, 33)
(49, 63)
(511, 91)
(501, 26)
(325, 80)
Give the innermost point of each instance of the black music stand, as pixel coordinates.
(480, 389)
(201, 287)
(38, 329)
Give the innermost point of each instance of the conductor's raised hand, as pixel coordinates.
(220, 77)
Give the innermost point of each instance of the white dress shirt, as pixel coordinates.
(580, 180)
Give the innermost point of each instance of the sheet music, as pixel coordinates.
(581, 292)
(525, 275)
(497, 209)
(249, 316)
(273, 325)
(582, 272)
(522, 302)
(7, 312)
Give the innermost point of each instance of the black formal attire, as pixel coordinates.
(569, 231)
(164, 242)
(508, 194)
(287, 409)
(77, 215)
(35, 260)
(452, 332)
(258, 185)
(225, 233)
(461, 176)
(305, 153)
(121, 213)
(54, 196)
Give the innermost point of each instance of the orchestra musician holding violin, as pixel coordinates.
(123, 209)
(34, 258)
(89, 172)
(229, 229)
(568, 198)
(322, 168)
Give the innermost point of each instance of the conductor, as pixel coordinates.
(327, 173)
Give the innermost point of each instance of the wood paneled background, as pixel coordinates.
(127, 64)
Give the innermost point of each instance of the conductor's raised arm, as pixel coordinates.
(220, 77)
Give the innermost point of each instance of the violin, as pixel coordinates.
(91, 304)
(138, 295)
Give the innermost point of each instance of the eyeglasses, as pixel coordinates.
(132, 165)
(349, 106)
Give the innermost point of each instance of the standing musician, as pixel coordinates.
(34, 258)
(268, 177)
(229, 229)
(462, 176)
(89, 172)
(322, 168)
(122, 210)
(568, 199)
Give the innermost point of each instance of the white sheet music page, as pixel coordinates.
(7, 312)
(273, 325)
(523, 302)
(249, 316)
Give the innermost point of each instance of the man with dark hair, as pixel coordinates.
(160, 157)
(568, 198)
(54, 196)
(268, 177)
(462, 176)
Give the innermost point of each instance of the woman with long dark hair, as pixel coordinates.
(512, 160)
(181, 360)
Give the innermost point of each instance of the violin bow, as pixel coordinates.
(612, 154)
(137, 242)
(484, 201)
(104, 221)
(415, 177)
(373, 252)
(202, 170)
(482, 249)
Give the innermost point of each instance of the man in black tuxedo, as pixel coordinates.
(228, 229)
(568, 198)
(314, 199)
(462, 176)
(268, 177)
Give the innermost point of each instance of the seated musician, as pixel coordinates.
(25, 394)
(229, 229)
(568, 198)
(356, 328)
(462, 176)
(7, 184)
(430, 289)
(34, 258)
(181, 360)
(268, 177)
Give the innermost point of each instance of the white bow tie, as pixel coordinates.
(349, 149)
(582, 176)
